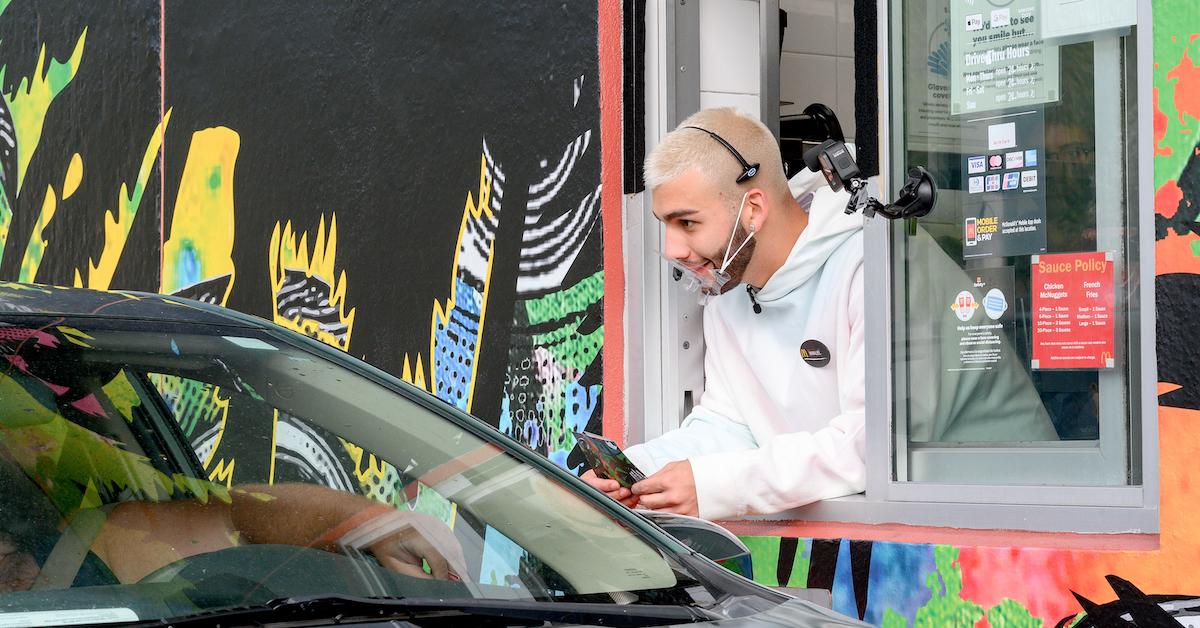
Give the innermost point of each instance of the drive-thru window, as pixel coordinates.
(1010, 351)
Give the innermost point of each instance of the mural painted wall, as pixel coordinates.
(901, 584)
(418, 184)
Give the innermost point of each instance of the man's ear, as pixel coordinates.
(758, 207)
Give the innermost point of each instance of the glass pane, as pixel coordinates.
(202, 468)
(1011, 300)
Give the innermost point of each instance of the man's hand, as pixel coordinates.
(672, 489)
(18, 569)
(421, 537)
(612, 488)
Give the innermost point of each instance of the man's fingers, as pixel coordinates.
(612, 488)
(608, 486)
(652, 484)
(657, 501)
(630, 502)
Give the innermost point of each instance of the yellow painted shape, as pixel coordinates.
(441, 313)
(223, 472)
(286, 254)
(202, 228)
(75, 336)
(274, 442)
(74, 176)
(121, 394)
(91, 496)
(223, 406)
(31, 99)
(414, 377)
(36, 249)
(118, 223)
(374, 467)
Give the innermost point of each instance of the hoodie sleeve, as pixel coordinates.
(703, 432)
(791, 470)
(713, 426)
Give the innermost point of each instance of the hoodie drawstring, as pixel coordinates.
(750, 290)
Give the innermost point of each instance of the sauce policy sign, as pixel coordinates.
(1073, 302)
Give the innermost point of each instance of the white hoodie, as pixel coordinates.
(772, 431)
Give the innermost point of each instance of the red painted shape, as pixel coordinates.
(1039, 577)
(613, 353)
(1187, 87)
(1160, 129)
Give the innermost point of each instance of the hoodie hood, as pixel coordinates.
(829, 227)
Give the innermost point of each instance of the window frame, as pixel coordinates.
(1047, 508)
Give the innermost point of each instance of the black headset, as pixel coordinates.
(748, 169)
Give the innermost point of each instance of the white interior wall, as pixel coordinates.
(729, 55)
(817, 61)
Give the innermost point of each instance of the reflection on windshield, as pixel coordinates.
(219, 469)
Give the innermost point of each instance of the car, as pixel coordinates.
(169, 462)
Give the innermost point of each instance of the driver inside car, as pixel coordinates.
(73, 477)
(137, 538)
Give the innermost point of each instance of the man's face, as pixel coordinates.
(699, 223)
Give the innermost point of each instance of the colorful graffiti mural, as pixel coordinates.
(324, 191)
(908, 584)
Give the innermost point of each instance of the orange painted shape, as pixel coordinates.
(1166, 387)
(1187, 88)
(1160, 129)
(1166, 199)
(1175, 254)
(612, 357)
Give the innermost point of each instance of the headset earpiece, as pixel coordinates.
(748, 169)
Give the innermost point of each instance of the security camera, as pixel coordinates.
(832, 159)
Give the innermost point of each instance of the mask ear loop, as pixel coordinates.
(728, 258)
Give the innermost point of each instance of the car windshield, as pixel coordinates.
(152, 470)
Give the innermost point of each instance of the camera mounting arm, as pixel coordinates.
(833, 159)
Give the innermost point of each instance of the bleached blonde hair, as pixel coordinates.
(684, 149)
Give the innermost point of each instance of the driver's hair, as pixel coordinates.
(684, 149)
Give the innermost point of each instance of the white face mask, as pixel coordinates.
(710, 284)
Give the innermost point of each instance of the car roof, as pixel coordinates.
(25, 299)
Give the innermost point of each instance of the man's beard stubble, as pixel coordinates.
(738, 264)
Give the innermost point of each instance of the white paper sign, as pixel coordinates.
(1002, 135)
(67, 618)
(1064, 18)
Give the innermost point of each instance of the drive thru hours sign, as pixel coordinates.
(1073, 300)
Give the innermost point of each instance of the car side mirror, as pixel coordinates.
(705, 537)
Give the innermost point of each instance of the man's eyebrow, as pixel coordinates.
(679, 213)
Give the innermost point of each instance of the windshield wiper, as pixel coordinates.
(507, 612)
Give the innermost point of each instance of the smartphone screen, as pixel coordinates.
(607, 459)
